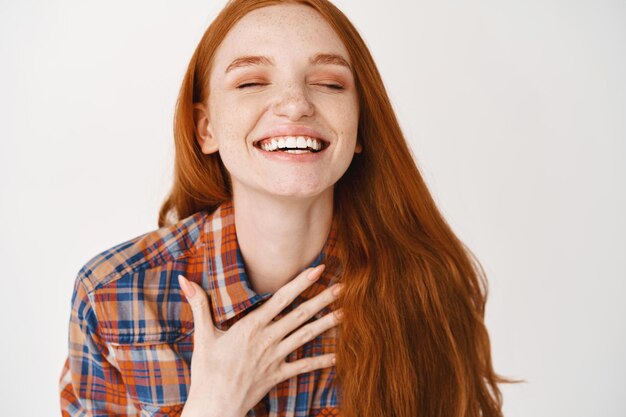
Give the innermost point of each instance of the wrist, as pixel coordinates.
(214, 412)
(209, 408)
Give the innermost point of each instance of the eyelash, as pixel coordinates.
(331, 86)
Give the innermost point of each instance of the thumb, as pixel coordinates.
(199, 302)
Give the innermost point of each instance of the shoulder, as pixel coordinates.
(147, 251)
(132, 287)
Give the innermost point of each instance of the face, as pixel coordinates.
(284, 120)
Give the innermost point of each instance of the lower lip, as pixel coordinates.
(292, 157)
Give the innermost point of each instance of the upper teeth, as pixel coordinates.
(282, 142)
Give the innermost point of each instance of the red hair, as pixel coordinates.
(413, 341)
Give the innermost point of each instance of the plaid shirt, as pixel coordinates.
(131, 328)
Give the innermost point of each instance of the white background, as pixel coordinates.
(515, 111)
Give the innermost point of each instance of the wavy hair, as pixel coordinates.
(413, 341)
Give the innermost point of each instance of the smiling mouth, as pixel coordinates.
(292, 144)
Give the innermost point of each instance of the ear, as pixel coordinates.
(358, 148)
(204, 134)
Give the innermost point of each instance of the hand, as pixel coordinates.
(232, 371)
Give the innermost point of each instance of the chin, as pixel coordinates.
(299, 190)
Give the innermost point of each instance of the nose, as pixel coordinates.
(293, 103)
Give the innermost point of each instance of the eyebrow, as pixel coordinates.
(319, 59)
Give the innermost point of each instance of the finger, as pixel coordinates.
(200, 309)
(304, 312)
(308, 333)
(286, 294)
(291, 369)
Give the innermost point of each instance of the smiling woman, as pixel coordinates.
(278, 81)
(301, 267)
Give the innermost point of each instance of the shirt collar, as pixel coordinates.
(224, 276)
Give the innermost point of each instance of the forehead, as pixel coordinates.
(279, 31)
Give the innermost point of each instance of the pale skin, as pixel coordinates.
(232, 371)
(283, 205)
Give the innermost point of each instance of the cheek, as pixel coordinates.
(232, 128)
(346, 118)
(347, 122)
(231, 116)
(232, 160)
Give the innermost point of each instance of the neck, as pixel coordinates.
(278, 238)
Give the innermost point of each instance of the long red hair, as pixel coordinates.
(413, 341)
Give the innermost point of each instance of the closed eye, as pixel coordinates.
(249, 85)
(331, 86)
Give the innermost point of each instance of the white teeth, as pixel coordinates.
(302, 143)
(291, 142)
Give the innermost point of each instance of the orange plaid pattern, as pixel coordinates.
(131, 328)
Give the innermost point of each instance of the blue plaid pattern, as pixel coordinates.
(131, 328)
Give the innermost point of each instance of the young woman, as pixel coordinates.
(292, 175)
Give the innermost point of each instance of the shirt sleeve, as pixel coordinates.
(89, 384)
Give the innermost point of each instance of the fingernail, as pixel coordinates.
(334, 360)
(337, 289)
(339, 313)
(186, 286)
(316, 272)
